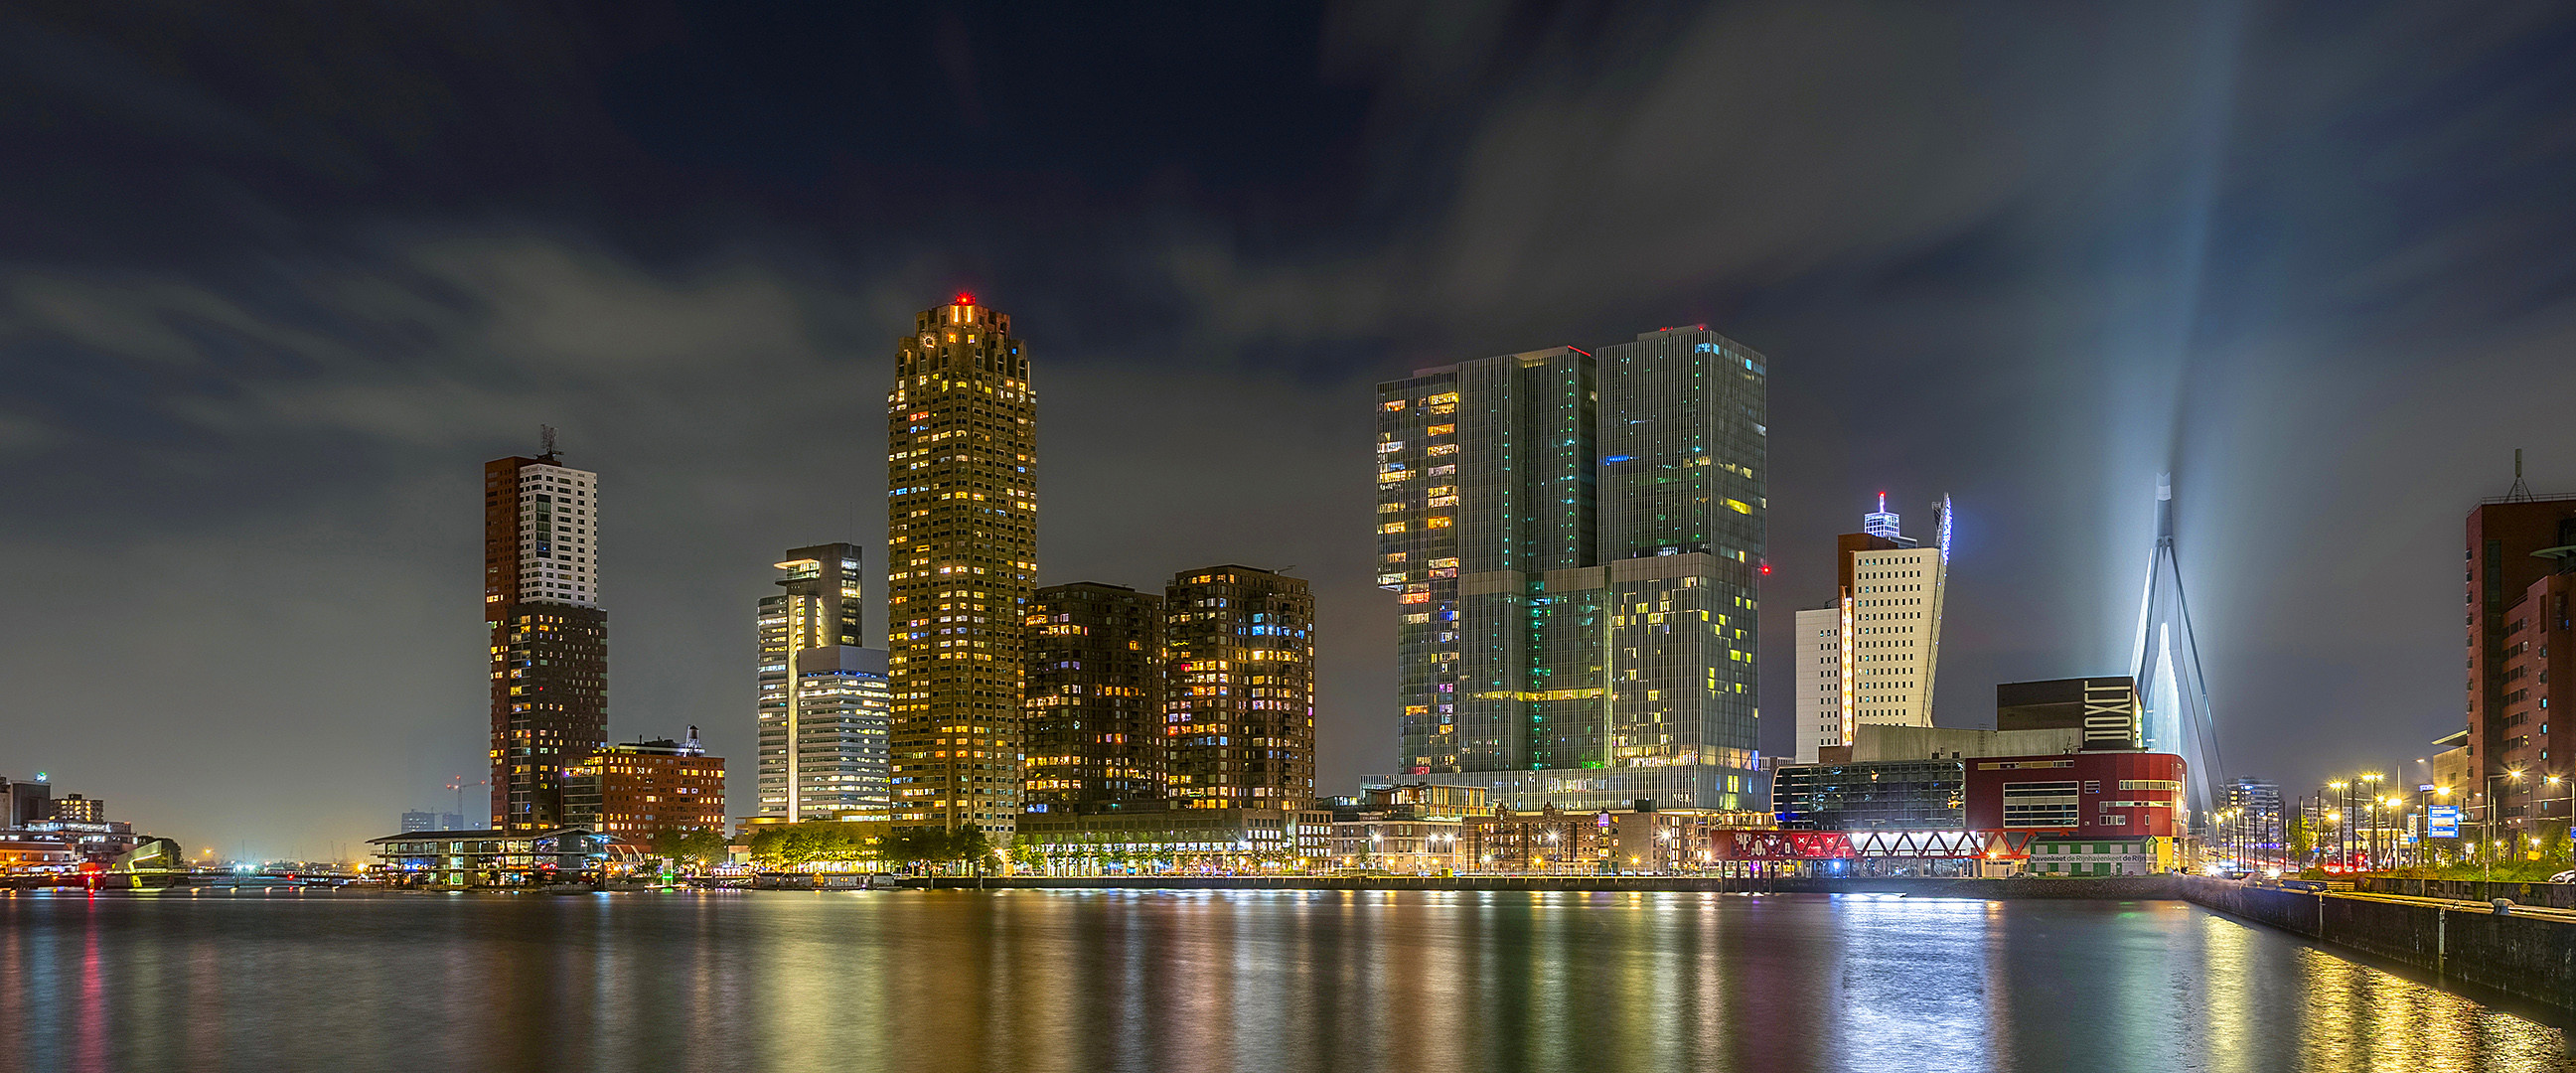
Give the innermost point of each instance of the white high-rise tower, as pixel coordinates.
(1873, 657)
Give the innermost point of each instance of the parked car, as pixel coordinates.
(2568, 876)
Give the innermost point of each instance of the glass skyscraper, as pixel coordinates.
(1575, 539)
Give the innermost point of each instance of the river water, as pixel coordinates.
(1164, 981)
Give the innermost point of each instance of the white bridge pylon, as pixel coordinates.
(2172, 694)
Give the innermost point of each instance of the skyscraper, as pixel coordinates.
(961, 536)
(824, 708)
(1575, 540)
(1240, 706)
(549, 637)
(1874, 655)
(1095, 697)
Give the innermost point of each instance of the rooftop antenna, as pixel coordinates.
(546, 436)
(2520, 492)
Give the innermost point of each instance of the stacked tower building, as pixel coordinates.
(961, 536)
(824, 706)
(1240, 713)
(1575, 539)
(549, 636)
(1095, 697)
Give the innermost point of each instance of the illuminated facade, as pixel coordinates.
(1239, 706)
(1575, 540)
(633, 791)
(2520, 572)
(549, 636)
(961, 534)
(1872, 658)
(1095, 697)
(824, 705)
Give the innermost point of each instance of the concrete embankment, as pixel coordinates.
(2528, 956)
(2552, 895)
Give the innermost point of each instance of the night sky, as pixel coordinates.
(276, 280)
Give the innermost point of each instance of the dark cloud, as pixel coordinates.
(274, 281)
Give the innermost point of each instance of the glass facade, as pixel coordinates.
(1575, 540)
(1913, 795)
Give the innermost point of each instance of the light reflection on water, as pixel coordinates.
(1156, 981)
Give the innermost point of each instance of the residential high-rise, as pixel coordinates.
(2521, 572)
(824, 706)
(961, 537)
(1576, 540)
(1095, 697)
(1239, 710)
(549, 636)
(1872, 658)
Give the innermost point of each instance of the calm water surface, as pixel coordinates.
(1156, 981)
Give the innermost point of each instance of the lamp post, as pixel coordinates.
(2554, 780)
(2488, 851)
(2376, 855)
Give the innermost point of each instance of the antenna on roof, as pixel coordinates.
(2520, 492)
(546, 436)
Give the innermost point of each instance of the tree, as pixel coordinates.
(2301, 839)
(700, 847)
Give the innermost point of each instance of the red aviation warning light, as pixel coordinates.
(965, 299)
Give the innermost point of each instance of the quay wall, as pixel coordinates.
(2525, 956)
(2553, 895)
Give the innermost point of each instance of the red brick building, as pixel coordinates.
(632, 792)
(2518, 578)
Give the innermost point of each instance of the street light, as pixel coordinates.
(2491, 820)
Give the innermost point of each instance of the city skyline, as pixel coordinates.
(260, 342)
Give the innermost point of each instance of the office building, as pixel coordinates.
(28, 801)
(1095, 698)
(1239, 701)
(2521, 572)
(1160, 836)
(461, 860)
(824, 706)
(633, 792)
(961, 531)
(1574, 539)
(1873, 657)
(2104, 709)
(549, 635)
(420, 821)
